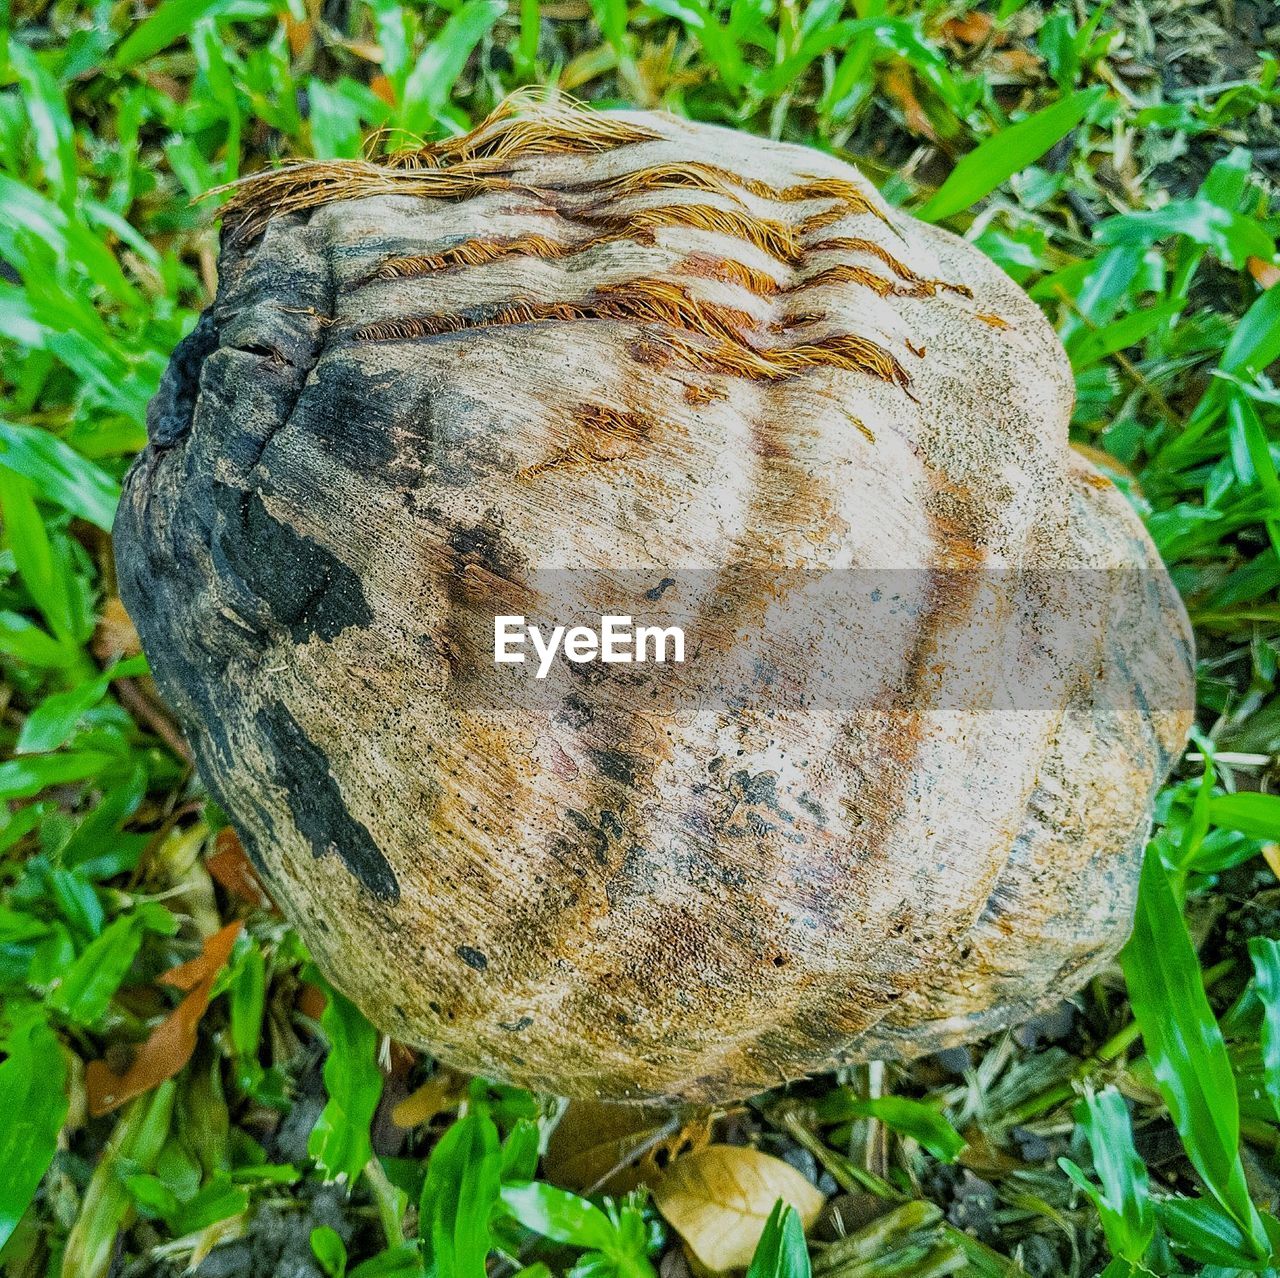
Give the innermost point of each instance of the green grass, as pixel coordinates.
(1106, 159)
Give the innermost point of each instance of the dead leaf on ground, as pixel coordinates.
(1266, 274)
(311, 1000)
(896, 83)
(1271, 854)
(1015, 66)
(299, 34)
(618, 1147)
(169, 1046)
(170, 86)
(231, 868)
(368, 50)
(401, 1058)
(983, 1156)
(115, 636)
(440, 1093)
(969, 28)
(719, 1199)
(214, 1235)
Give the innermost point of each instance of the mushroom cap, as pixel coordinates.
(576, 365)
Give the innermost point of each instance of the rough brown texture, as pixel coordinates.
(575, 364)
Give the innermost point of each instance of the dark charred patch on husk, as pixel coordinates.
(475, 959)
(484, 545)
(600, 835)
(617, 766)
(293, 582)
(301, 770)
(170, 412)
(575, 711)
(352, 411)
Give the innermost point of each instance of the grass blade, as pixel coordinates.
(33, 1099)
(1185, 1046)
(781, 1251)
(922, 1122)
(1124, 1202)
(1252, 813)
(1006, 153)
(1265, 954)
(458, 1198)
(340, 1139)
(60, 475)
(169, 23)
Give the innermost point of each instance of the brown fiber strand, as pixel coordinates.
(660, 302)
(699, 395)
(256, 199)
(450, 169)
(462, 167)
(816, 221)
(730, 271)
(723, 346)
(830, 188)
(796, 319)
(518, 126)
(604, 436)
(699, 176)
(415, 326)
(575, 455)
(862, 428)
(640, 301)
(847, 273)
(855, 244)
(478, 252)
(775, 238)
(841, 350)
(474, 253)
(617, 422)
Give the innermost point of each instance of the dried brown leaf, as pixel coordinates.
(1015, 66)
(1265, 273)
(299, 34)
(897, 86)
(615, 1148)
(232, 869)
(115, 636)
(441, 1092)
(719, 1199)
(969, 28)
(170, 1044)
(311, 1000)
(1271, 854)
